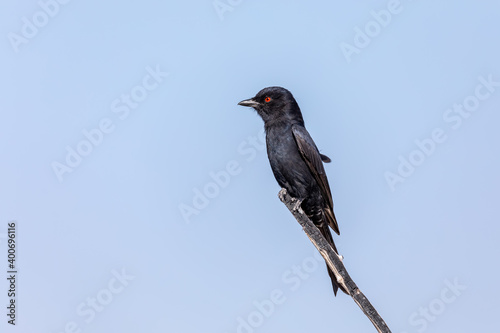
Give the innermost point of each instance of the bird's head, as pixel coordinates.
(273, 103)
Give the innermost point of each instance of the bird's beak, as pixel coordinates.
(249, 102)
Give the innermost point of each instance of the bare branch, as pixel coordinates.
(334, 261)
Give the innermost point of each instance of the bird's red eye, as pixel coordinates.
(268, 99)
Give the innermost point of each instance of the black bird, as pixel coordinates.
(295, 160)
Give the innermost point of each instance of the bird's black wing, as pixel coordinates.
(313, 159)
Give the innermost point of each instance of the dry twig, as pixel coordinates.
(334, 261)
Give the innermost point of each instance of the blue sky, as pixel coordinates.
(142, 193)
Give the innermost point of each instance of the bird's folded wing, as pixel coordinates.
(313, 159)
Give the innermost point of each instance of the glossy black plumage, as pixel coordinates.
(295, 160)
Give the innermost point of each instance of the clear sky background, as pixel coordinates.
(116, 118)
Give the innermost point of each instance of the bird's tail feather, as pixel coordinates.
(332, 221)
(325, 231)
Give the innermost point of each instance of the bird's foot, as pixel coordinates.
(282, 193)
(297, 204)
